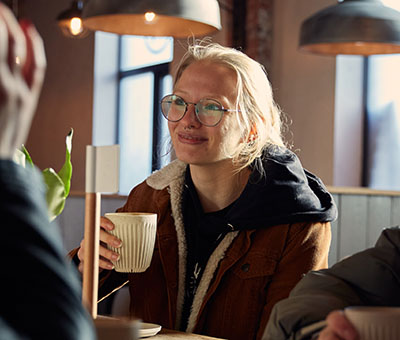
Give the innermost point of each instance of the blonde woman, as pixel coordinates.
(239, 219)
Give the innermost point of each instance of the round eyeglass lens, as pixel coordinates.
(173, 108)
(209, 112)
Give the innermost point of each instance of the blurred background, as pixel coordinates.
(107, 88)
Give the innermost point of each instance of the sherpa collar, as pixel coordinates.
(163, 178)
(173, 177)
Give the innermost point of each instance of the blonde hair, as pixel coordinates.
(259, 117)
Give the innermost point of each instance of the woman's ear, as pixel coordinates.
(253, 133)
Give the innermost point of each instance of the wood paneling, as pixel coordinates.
(362, 216)
(352, 224)
(71, 221)
(333, 252)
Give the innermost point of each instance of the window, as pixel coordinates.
(367, 120)
(142, 131)
(131, 77)
(383, 114)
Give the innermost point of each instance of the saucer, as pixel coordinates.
(148, 329)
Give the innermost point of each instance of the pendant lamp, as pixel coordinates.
(361, 27)
(70, 21)
(176, 18)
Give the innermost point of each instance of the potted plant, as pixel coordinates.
(57, 184)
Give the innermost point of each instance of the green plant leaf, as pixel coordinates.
(55, 195)
(65, 173)
(19, 158)
(28, 158)
(58, 185)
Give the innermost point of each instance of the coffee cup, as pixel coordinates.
(375, 323)
(137, 231)
(109, 328)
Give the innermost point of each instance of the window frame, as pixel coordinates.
(159, 72)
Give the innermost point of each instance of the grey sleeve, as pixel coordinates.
(309, 302)
(371, 277)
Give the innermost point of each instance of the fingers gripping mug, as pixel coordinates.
(375, 323)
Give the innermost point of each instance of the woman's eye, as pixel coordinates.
(212, 107)
(179, 102)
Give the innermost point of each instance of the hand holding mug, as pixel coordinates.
(106, 239)
(338, 328)
(133, 254)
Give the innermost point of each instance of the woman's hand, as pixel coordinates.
(338, 328)
(106, 255)
(22, 69)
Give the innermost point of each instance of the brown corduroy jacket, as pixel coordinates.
(245, 276)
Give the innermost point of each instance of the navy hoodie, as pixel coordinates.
(279, 191)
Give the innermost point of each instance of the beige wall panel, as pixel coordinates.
(67, 95)
(304, 87)
(353, 221)
(379, 214)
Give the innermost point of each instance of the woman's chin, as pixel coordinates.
(192, 158)
(201, 161)
(189, 159)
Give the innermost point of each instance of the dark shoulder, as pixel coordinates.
(280, 154)
(390, 237)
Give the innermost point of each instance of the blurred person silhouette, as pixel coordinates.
(314, 309)
(40, 291)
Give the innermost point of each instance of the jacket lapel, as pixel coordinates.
(229, 251)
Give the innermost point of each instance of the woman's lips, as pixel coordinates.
(190, 139)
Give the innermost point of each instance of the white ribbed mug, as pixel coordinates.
(137, 231)
(375, 323)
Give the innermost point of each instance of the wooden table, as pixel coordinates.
(107, 327)
(167, 334)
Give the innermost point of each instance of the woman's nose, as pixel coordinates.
(190, 116)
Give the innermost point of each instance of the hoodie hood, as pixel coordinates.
(281, 192)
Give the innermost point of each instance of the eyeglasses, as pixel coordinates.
(208, 111)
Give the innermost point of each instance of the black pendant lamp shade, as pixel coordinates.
(361, 27)
(176, 18)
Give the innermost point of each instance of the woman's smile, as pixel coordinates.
(189, 138)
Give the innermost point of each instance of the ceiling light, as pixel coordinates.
(176, 18)
(70, 21)
(361, 27)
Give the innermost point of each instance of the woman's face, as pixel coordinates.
(193, 142)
